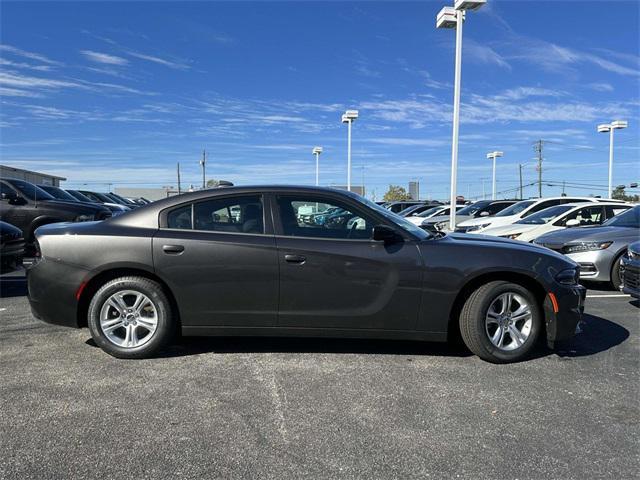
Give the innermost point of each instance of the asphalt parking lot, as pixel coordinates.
(291, 408)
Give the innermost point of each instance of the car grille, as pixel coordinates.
(631, 277)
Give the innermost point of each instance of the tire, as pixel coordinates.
(616, 280)
(130, 317)
(483, 317)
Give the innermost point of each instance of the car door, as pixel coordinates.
(332, 275)
(218, 257)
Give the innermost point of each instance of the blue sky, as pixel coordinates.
(118, 92)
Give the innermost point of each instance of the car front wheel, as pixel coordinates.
(130, 317)
(501, 322)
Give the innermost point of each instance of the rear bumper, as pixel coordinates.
(51, 291)
(563, 318)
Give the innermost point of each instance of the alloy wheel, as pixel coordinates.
(508, 321)
(128, 319)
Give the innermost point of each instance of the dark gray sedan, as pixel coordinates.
(247, 261)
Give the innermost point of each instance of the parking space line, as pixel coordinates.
(619, 295)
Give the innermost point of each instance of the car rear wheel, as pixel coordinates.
(501, 322)
(130, 317)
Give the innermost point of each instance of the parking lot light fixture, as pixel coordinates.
(317, 151)
(493, 156)
(349, 117)
(609, 128)
(445, 19)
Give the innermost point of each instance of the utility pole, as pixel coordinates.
(521, 193)
(203, 163)
(179, 189)
(538, 146)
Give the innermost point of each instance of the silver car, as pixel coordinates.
(599, 249)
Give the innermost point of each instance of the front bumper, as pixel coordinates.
(594, 265)
(630, 276)
(563, 316)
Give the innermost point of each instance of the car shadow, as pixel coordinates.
(597, 286)
(186, 346)
(597, 335)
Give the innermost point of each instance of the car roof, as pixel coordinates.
(148, 214)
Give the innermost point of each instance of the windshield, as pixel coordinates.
(429, 212)
(99, 196)
(395, 218)
(474, 208)
(59, 193)
(545, 216)
(30, 191)
(630, 218)
(515, 209)
(79, 196)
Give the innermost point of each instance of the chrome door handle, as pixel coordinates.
(299, 259)
(173, 249)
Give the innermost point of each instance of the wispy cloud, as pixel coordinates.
(30, 86)
(601, 87)
(28, 66)
(178, 65)
(105, 58)
(484, 54)
(30, 55)
(16, 92)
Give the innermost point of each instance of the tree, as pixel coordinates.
(396, 193)
(619, 194)
(212, 183)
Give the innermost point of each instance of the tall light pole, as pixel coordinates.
(453, 17)
(493, 156)
(317, 151)
(203, 164)
(609, 128)
(349, 117)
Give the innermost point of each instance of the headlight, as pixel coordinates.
(570, 276)
(586, 247)
(84, 218)
(513, 236)
(473, 228)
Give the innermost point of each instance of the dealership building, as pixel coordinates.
(37, 178)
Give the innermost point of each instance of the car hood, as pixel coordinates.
(74, 207)
(8, 231)
(489, 220)
(445, 218)
(479, 239)
(587, 234)
(511, 229)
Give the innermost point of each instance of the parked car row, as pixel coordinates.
(26, 207)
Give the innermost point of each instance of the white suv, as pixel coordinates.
(518, 211)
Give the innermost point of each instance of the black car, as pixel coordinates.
(240, 261)
(419, 208)
(116, 208)
(398, 206)
(11, 245)
(28, 207)
(62, 194)
(630, 270)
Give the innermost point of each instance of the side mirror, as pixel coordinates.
(574, 222)
(382, 233)
(484, 214)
